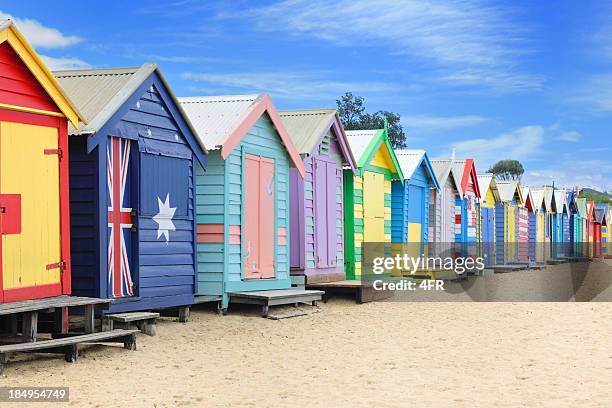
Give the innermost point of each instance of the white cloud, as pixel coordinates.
(519, 144)
(593, 93)
(63, 63)
(571, 136)
(284, 85)
(40, 36)
(472, 42)
(577, 173)
(432, 123)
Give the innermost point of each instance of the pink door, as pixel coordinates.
(259, 217)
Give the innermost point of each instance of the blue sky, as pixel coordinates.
(519, 79)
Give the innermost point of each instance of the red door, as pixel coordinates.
(259, 217)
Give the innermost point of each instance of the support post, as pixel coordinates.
(30, 326)
(60, 320)
(89, 319)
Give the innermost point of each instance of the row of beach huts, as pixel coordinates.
(116, 196)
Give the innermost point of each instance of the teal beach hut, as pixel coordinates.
(243, 196)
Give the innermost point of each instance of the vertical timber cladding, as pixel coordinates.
(243, 212)
(132, 183)
(317, 212)
(34, 220)
(371, 191)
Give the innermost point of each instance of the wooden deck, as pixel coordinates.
(363, 293)
(267, 298)
(68, 344)
(509, 268)
(52, 303)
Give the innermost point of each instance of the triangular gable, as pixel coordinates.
(572, 205)
(509, 190)
(308, 128)
(601, 214)
(526, 192)
(486, 183)
(10, 35)
(561, 201)
(417, 159)
(443, 169)
(108, 114)
(590, 210)
(581, 204)
(470, 172)
(380, 145)
(243, 120)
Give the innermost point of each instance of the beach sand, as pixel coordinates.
(384, 354)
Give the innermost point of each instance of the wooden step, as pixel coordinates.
(68, 344)
(144, 321)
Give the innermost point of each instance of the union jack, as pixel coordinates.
(119, 219)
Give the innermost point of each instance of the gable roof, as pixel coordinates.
(222, 121)
(410, 159)
(590, 206)
(582, 207)
(549, 200)
(572, 205)
(365, 143)
(526, 193)
(101, 93)
(537, 198)
(486, 182)
(10, 34)
(561, 201)
(507, 190)
(443, 169)
(307, 128)
(601, 212)
(467, 169)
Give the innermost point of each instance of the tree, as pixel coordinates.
(350, 110)
(353, 116)
(507, 170)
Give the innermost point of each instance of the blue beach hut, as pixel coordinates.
(132, 198)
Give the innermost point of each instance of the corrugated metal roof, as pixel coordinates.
(601, 211)
(214, 117)
(443, 168)
(359, 141)
(306, 126)
(507, 189)
(409, 159)
(561, 199)
(98, 93)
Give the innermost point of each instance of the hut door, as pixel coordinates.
(325, 213)
(373, 207)
(120, 217)
(259, 217)
(30, 247)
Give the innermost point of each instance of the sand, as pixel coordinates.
(385, 354)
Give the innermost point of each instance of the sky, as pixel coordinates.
(521, 80)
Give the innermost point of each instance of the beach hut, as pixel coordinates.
(600, 228)
(132, 170)
(583, 233)
(410, 200)
(467, 208)
(573, 221)
(607, 235)
(490, 198)
(443, 227)
(367, 204)
(539, 205)
(560, 223)
(243, 197)
(506, 220)
(35, 257)
(316, 201)
(526, 227)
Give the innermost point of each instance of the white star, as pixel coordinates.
(164, 218)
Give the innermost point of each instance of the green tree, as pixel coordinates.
(352, 113)
(350, 110)
(507, 170)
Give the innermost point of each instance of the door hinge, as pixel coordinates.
(58, 152)
(58, 265)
